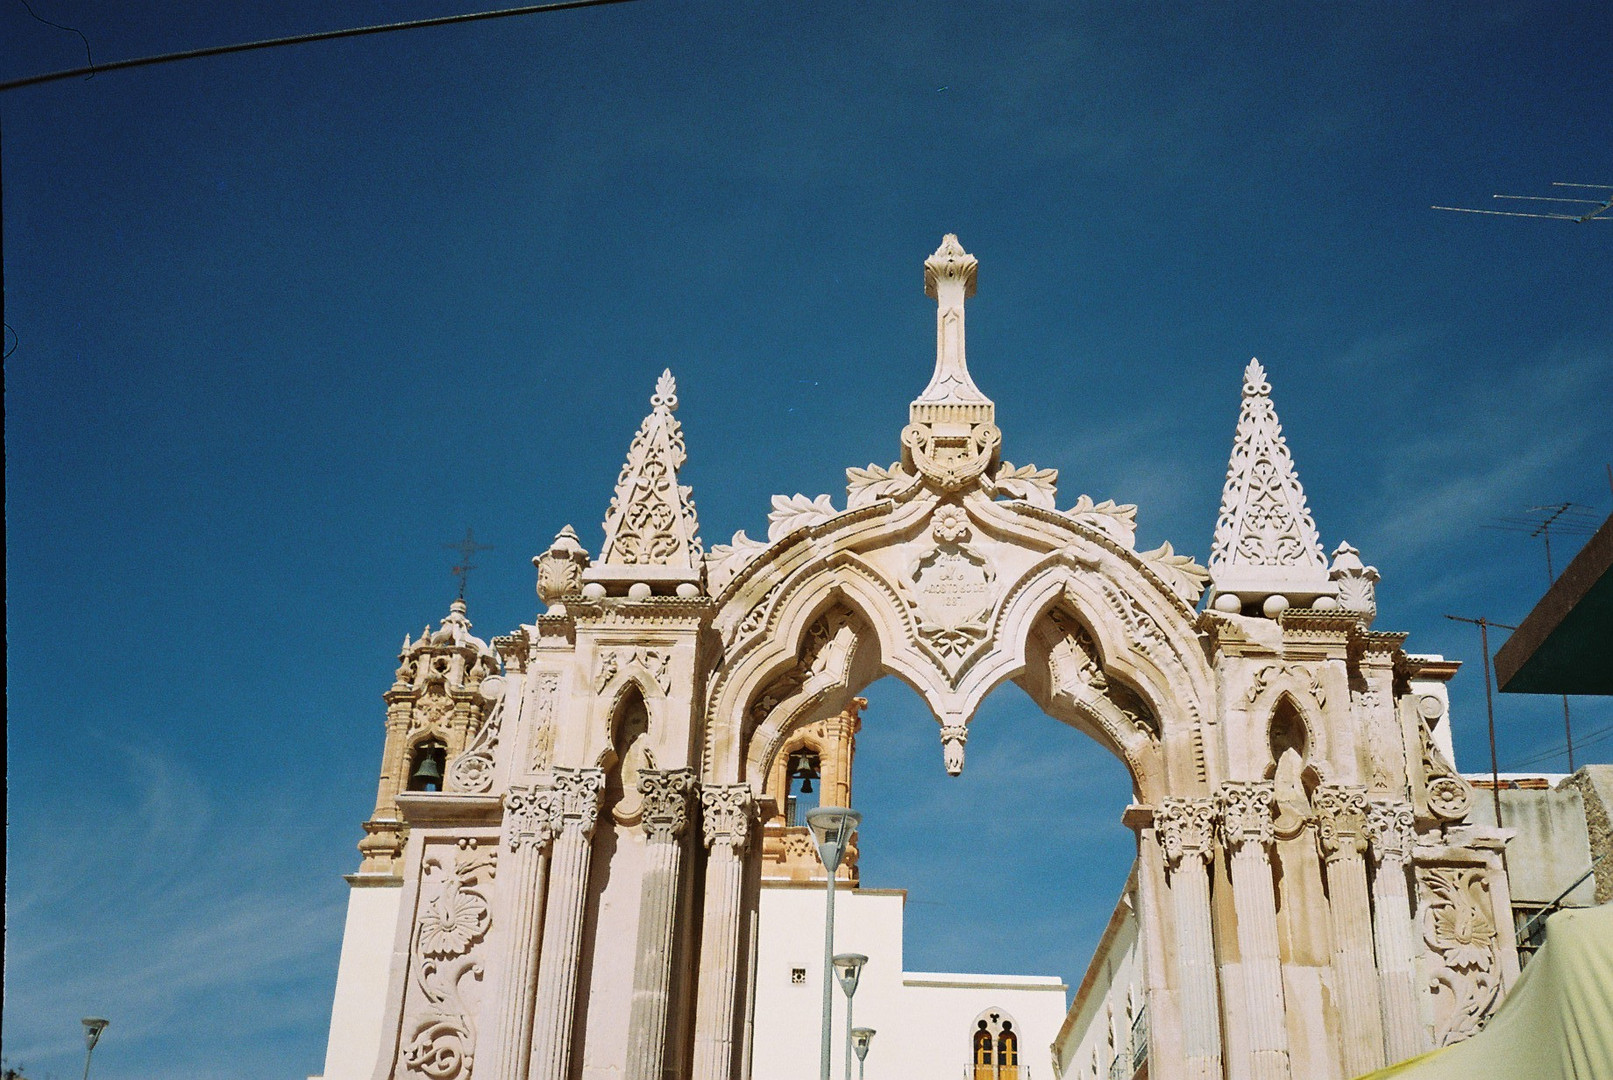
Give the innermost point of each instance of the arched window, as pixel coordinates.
(426, 764)
(982, 1055)
(995, 1047)
(1007, 1052)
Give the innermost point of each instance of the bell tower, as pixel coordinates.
(434, 708)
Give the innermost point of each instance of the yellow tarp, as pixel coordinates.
(1557, 1024)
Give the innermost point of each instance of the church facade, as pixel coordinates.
(577, 822)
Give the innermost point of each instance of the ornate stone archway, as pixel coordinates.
(541, 936)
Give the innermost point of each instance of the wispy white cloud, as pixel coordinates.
(144, 907)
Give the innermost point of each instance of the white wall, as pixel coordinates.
(1100, 1017)
(923, 1021)
(361, 982)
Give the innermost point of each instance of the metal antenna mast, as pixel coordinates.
(1489, 704)
(1564, 518)
(1603, 207)
(466, 548)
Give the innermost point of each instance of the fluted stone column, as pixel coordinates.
(1247, 833)
(527, 834)
(1341, 827)
(666, 819)
(573, 811)
(1391, 830)
(1185, 829)
(727, 815)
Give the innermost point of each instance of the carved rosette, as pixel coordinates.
(1459, 930)
(727, 815)
(665, 807)
(528, 818)
(472, 771)
(1341, 814)
(574, 802)
(1246, 814)
(1449, 797)
(1186, 829)
(1391, 829)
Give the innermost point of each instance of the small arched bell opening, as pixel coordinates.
(427, 761)
(1007, 1052)
(984, 1051)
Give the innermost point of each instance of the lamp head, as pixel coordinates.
(860, 1038)
(848, 968)
(832, 827)
(93, 1026)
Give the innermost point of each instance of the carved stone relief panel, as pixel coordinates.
(541, 755)
(443, 993)
(1460, 937)
(952, 588)
(1447, 796)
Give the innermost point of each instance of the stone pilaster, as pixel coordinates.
(527, 833)
(1247, 833)
(666, 819)
(1341, 828)
(574, 809)
(727, 816)
(1390, 827)
(1185, 829)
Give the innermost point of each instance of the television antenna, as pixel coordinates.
(1603, 207)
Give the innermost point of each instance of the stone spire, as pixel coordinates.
(1266, 549)
(951, 437)
(651, 533)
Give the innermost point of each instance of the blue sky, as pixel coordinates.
(288, 322)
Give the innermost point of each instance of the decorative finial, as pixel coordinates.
(1266, 545)
(951, 437)
(651, 525)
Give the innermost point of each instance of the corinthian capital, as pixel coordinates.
(727, 813)
(1392, 829)
(1186, 828)
(666, 802)
(527, 818)
(1341, 814)
(1246, 813)
(575, 800)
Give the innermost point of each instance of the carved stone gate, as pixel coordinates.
(579, 901)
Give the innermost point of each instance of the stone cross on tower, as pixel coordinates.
(951, 437)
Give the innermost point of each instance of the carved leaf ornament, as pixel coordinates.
(451, 926)
(1459, 930)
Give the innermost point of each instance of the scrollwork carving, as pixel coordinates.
(727, 815)
(1459, 929)
(1246, 813)
(1449, 797)
(1186, 829)
(454, 921)
(1340, 820)
(665, 804)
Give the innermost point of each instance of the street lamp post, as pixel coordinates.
(93, 1026)
(831, 827)
(860, 1038)
(848, 967)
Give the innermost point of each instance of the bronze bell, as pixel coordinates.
(427, 775)
(803, 767)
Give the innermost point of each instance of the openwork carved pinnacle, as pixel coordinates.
(666, 802)
(1246, 813)
(1186, 829)
(1341, 814)
(575, 800)
(727, 814)
(1391, 826)
(528, 813)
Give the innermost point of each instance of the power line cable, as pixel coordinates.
(303, 39)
